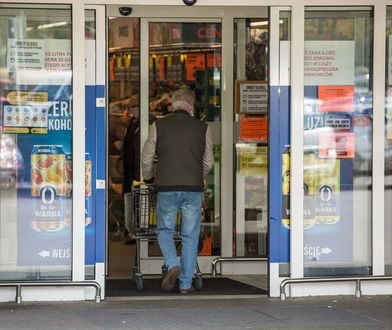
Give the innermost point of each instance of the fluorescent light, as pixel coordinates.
(262, 23)
(255, 24)
(29, 28)
(48, 26)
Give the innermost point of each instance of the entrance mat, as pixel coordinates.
(152, 287)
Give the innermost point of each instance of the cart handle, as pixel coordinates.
(136, 183)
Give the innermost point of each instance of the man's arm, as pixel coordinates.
(208, 157)
(148, 154)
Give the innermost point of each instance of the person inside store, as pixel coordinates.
(183, 148)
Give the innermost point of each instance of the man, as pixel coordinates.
(183, 147)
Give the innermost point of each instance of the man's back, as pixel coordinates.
(181, 142)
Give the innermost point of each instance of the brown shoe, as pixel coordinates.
(170, 278)
(187, 291)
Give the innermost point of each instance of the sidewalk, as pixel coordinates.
(189, 313)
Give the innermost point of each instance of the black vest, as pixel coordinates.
(181, 142)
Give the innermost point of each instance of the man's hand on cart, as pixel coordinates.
(145, 183)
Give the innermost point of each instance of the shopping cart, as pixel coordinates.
(140, 215)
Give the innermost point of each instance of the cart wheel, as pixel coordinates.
(198, 282)
(139, 283)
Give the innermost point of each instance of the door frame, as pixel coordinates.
(226, 16)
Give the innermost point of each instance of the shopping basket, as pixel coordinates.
(140, 216)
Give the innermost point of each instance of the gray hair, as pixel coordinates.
(183, 99)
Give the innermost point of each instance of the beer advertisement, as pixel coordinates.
(39, 119)
(44, 187)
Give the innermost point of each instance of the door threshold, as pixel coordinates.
(189, 297)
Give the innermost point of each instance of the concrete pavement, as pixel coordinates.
(227, 313)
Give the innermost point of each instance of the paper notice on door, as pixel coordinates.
(254, 129)
(336, 145)
(25, 54)
(336, 98)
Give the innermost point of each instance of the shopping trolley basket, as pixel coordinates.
(140, 217)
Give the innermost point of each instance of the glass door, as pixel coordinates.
(181, 53)
(36, 143)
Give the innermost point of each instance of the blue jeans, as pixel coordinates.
(189, 204)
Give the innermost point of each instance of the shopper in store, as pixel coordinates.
(183, 146)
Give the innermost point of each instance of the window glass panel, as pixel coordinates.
(36, 143)
(283, 124)
(338, 141)
(251, 137)
(388, 147)
(124, 137)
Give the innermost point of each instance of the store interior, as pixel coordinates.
(181, 55)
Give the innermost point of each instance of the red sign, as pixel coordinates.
(336, 145)
(336, 98)
(254, 129)
(194, 62)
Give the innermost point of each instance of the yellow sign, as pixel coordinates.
(39, 130)
(25, 97)
(253, 160)
(16, 130)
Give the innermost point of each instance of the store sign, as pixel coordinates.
(196, 33)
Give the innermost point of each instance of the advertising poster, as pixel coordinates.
(39, 110)
(254, 129)
(25, 112)
(286, 187)
(329, 233)
(194, 62)
(329, 142)
(44, 186)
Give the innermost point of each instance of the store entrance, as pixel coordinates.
(149, 59)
